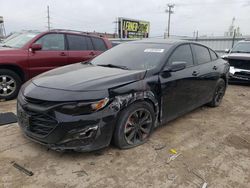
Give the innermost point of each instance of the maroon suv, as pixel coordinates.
(31, 53)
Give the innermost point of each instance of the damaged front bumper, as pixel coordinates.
(42, 122)
(61, 132)
(239, 75)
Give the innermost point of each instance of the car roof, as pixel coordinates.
(172, 42)
(163, 41)
(66, 31)
(245, 41)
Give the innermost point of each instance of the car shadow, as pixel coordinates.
(239, 83)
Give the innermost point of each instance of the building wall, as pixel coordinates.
(218, 44)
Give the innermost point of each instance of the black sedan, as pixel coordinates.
(121, 95)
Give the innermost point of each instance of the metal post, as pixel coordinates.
(169, 11)
(197, 35)
(233, 38)
(48, 17)
(169, 15)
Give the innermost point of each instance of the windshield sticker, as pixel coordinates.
(154, 50)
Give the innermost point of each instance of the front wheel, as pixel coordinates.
(134, 125)
(10, 84)
(220, 90)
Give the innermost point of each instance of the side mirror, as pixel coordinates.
(36, 47)
(176, 66)
(227, 51)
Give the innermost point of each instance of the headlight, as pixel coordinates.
(80, 108)
(99, 104)
(232, 70)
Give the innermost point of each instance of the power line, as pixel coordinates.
(169, 11)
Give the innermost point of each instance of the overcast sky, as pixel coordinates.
(210, 17)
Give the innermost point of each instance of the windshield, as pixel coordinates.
(10, 37)
(134, 56)
(243, 47)
(19, 40)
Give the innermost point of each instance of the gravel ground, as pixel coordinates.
(213, 143)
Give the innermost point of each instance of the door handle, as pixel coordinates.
(92, 53)
(195, 73)
(215, 68)
(62, 54)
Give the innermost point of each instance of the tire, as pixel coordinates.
(128, 123)
(10, 84)
(219, 92)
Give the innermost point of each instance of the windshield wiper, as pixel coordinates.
(114, 66)
(6, 46)
(86, 62)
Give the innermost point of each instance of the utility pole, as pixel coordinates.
(197, 35)
(48, 17)
(234, 35)
(169, 11)
(2, 29)
(116, 27)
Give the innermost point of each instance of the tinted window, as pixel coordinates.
(77, 42)
(202, 54)
(99, 44)
(182, 53)
(52, 42)
(135, 56)
(89, 43)
(213, 55)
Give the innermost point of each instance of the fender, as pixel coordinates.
(120, 102)
(16, 68)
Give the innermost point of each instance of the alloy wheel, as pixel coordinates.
(7, 85)
(219, 93)
(138, 126)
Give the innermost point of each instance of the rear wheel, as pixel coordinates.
(219, 93)
(10, 84)
(134, 126)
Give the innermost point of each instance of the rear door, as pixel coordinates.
(179, 89)
(53, 54)
(99, 45)
(80, 48)
(208, 73)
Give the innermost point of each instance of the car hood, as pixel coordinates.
(9, 53)
(239, 56)
(79, 77)
(5, 49)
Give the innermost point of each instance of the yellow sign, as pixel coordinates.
(133, 28)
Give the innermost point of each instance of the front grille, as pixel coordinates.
(242, 74)
(240, 64)
(39, 102)
(79, 142)
(41, 124)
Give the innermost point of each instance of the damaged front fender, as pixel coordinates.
(120, 102)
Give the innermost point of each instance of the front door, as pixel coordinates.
(179, 88)
(53, 54)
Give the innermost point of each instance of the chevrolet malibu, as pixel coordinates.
(121, 95)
